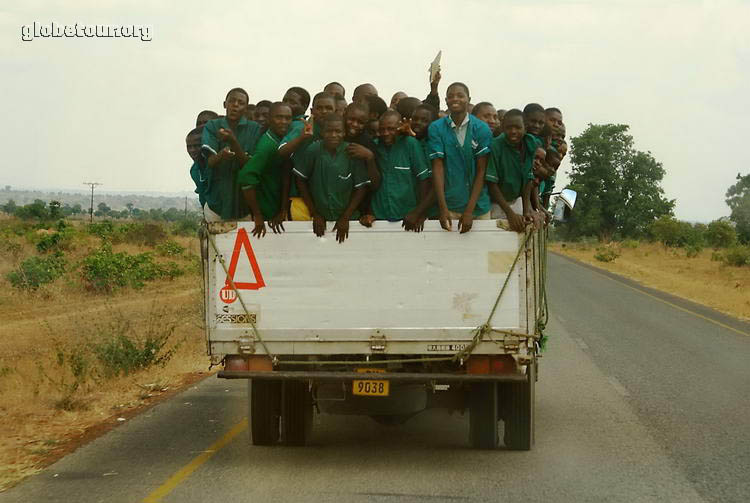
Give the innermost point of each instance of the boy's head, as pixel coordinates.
(205, 116)
(323, 105)
(362, 91)
(193, 143)
(298, 100)
(388, 125)
(250, 112)
(279, 118)
(262, 108)
(335, 89)
(377, 107)
(552, 159)
(457, 98)
(356, 117)
(421, 119)
(562, 148)
(406, 106)
(534, 118)
(398, 96)
(333, 131)
(561, 132)
(235, 103)
(485, 112)
(513, 126)
(340, 104)
(554, 119)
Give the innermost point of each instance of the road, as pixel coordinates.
(641, 397)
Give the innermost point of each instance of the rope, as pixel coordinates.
(479, 332)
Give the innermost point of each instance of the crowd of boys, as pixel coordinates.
(367, 160)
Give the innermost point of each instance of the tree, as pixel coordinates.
(102, 210)
(54, 209)
(10, 207)
(619, 188)
(738, 199)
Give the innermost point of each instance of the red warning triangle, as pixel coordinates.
(243, 241)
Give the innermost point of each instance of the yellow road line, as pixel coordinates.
(184, 472)
(722, 325)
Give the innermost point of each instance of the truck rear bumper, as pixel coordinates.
(293, 375)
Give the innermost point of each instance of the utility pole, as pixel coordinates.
(91, 208)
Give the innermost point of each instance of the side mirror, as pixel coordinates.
(564, 204)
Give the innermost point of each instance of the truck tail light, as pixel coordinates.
(500, 364)
(252, 363)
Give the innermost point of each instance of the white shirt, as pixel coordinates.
(460, 130)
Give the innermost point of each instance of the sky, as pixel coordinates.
(116, 110)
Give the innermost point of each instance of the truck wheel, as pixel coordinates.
(264, 401)
(296, 413)
(519, 423)
(483, 430)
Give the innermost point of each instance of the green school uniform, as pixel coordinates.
(295, 129)
(505, 166)
(222, 193)
(332, 179)
(401, 165)
(460, 160)
(263, 172)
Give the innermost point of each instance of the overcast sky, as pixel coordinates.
(117, 110)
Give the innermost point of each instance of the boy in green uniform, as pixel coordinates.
(509, 170)
(486, 112)
(362, 147)
(262, 178)
(332, 184)
(404, 170)
(459, 145)
(299, 137)
(534, 119)
(228, 142)
(262, 109)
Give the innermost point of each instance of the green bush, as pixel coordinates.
(37, 271)
(737, 256)
(721, 234)
(171, 249)
(106, 271)
(103, 229)
(677, 233)
(606, 254)
(692, 251)
(186, 227)
(141, 233)
(58, 240)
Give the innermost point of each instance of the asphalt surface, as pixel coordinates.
(638, 400)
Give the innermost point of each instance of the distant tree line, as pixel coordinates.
(41, 210)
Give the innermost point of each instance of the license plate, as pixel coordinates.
(370, 388)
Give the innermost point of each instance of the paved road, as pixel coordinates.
(638, 400)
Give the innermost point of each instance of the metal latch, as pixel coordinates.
(377, 343)
(511, 343)
(246, 345)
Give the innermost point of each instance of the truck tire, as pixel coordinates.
(264, 401)
(519, 420)
(296, 413)
(483, 430)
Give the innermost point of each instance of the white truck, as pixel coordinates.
(386, 324)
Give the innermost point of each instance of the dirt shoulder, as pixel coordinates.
(699, 279)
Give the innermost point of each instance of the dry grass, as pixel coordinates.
(700, 279)
(37, 325)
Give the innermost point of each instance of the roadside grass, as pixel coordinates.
(702, 276)
(74, 357)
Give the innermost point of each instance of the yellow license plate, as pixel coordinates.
(370, 388)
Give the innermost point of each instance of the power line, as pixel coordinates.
(93, 185)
